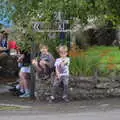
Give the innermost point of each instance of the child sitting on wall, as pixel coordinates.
(45, 62)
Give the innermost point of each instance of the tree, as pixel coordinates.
(44, 10)
(6, 12)
(29, 11)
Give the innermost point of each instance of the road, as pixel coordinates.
(104, 109)
(109, 115)
(100, 109)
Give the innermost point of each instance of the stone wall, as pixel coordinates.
(82, 87)
(8, 68)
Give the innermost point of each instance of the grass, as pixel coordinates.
(103, 58)
(107, 54)
(2, 107)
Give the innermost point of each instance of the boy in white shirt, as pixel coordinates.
(62, 73)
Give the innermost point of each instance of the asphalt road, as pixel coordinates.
(100, 109)
(104, 109)
(109, 115)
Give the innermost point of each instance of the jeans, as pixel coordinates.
(57, 83)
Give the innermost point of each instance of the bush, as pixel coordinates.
(84, 65)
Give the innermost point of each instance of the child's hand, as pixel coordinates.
(63, 63)
(43, 62)
(20, 59)
(34, 62)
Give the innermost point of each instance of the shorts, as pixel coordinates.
(20, 65)
(25, 69)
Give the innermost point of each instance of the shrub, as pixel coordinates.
(84, 65)
(104, 59)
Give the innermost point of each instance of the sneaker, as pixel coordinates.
(26, 95)
(51, 99)
(18, 93)
(66, 99)
(13, 89)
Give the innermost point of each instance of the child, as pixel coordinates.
(45, 63)
(62, 73)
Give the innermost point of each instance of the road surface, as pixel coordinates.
(101, 115)
(105, 109)
(100, 109)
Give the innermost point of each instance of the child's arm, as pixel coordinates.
(52, 59)
(20, 58)
(56, 68)
(65, 62)
(43, 62)
(57, 73)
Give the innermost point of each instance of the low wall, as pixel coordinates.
(82, 87)
(8, 68)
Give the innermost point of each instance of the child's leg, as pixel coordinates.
(21, 87)
(38, 68)
(65, 80)
(43, 67)
(56, 83)
(25, 83)
(21, 82)
(48, 70)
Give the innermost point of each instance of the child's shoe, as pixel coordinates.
(52, 99)
(66, 99)
(26, 95)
